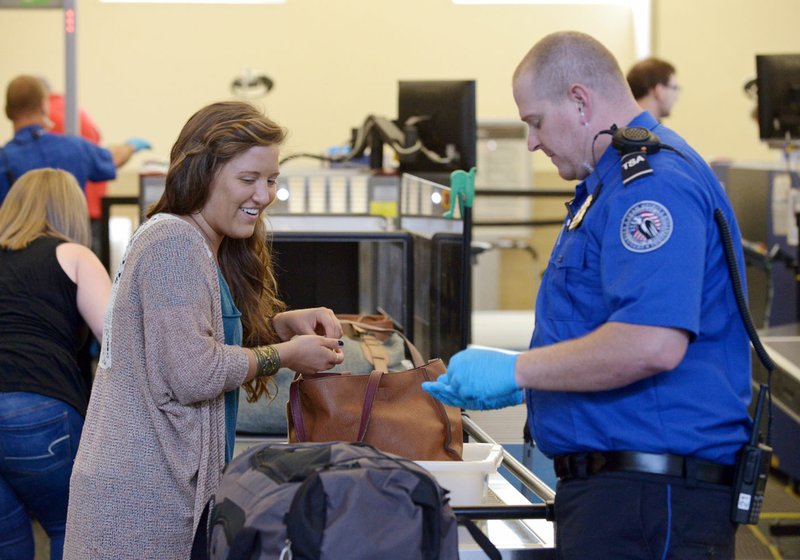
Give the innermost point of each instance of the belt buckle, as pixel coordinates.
(579, 465)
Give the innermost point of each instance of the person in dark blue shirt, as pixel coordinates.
(638, 380)
(33, 147)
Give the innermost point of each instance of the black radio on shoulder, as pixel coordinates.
(631, 139)
(634, 143)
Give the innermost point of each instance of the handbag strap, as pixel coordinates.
(416, 357)
(297, 413)
(294, 402)
(369, 399)
(382, 320)
(448, 433)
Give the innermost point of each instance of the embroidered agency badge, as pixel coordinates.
(646, 226)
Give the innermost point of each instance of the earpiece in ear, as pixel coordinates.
(580, 112)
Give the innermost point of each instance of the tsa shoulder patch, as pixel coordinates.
(645, 227)
(635, 166)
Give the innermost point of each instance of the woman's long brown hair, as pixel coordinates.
(210, 138)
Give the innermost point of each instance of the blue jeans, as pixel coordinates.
(38, 441)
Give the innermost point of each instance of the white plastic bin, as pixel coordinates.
(467, 480)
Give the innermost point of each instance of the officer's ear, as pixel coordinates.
(579, 95)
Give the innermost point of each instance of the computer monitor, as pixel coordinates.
(778, 80)
(440, 114)
(349, 272)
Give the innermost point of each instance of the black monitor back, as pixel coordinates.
(347, 272)
(438, 291)
(778, 79)
(451, 106)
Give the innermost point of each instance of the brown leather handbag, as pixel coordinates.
(388, 410)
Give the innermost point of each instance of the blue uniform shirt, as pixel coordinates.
(648, 253)
(34, 148)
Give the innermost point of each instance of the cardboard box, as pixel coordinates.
(467, 480)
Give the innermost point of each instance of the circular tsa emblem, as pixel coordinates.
(646, 226)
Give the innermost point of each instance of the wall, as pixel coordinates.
(713, 44)
(143, 69)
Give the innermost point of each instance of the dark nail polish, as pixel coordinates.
(341, 342)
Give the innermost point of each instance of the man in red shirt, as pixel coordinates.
(88, 130)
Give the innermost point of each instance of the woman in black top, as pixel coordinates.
(52, 287)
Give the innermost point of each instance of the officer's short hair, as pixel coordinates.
(24, 95)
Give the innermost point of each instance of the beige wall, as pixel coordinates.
(143, 69)
(713, 44)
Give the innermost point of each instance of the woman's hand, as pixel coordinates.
(310, 353)
(315, 320)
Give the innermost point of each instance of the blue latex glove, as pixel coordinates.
(511, 399)
(446, 394)
(478, 379)
(138, 144)
(481, 373)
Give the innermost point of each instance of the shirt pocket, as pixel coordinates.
(562, 285)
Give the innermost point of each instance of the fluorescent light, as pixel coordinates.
(623, 2)
(194, 1)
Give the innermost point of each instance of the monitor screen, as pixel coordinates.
(448, 117)
(778, 79)
(347, 272)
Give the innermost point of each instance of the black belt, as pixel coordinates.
(581, 465)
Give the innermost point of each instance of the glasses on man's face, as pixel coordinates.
(673, 87)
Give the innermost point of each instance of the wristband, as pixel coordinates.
(268, 361)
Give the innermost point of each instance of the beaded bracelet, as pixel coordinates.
(268, 361)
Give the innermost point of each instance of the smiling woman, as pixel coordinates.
(240, 191)
(176, 347)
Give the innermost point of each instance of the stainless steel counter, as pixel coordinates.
(516, 538)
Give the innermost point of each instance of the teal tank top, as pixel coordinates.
(232, 323)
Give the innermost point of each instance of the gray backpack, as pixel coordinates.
(328, 501)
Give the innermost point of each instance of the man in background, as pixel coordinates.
(654, 86)
(95, 191)
(34, 147)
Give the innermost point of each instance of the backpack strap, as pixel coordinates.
(480, 538)
(374, 352)
(416, 357)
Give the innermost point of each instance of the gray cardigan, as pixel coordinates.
(153, 445)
